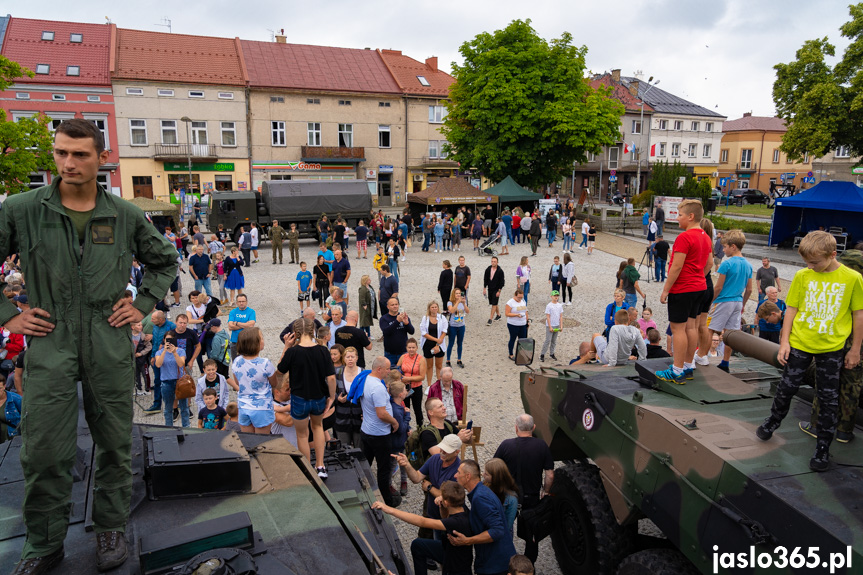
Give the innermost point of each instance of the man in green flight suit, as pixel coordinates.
(277, 236)
(76, 243)
(294, 244)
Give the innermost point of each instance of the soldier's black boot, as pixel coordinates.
(111, 550)
(38, 565)
(766, 429)
(821, 460)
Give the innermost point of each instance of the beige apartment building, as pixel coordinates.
(838, 165)
(318, 112)
(178, 104)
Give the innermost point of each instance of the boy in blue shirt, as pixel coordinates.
(732, 290)
(304, 286)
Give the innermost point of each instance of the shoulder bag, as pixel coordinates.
(185, 387)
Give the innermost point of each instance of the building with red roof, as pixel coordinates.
(180, 100)
(425, 88)
(70, 61)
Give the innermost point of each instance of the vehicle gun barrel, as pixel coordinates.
(753, 346)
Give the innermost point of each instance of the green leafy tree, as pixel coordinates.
(26, 146)
(522, 106)
(823, 105)
(665, 179)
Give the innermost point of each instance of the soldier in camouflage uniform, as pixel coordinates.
(850, 380)
(294, 244)
(277, 236)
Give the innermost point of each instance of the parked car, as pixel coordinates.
(716, 194)
(749, 196)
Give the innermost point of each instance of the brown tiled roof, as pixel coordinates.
(757, 123)
(23, 44)
(325, 68)
(620, 93)
(452, 188)
(161, 56)
(405, 70)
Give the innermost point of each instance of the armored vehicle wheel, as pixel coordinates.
(657, 562)
(588, 538)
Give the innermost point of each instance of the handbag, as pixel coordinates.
(185, 387)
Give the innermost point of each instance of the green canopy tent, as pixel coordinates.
(510, 194)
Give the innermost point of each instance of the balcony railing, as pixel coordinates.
(747, 167)
(310, 153)
(438, 162)
(181, 152)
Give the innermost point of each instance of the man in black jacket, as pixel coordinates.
(535, 233)
(492, 284)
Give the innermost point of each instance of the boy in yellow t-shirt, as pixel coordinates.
(825, 306)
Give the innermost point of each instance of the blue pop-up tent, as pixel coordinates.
(828, 204)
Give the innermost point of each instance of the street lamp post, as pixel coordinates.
(188, 123)
(641, 128)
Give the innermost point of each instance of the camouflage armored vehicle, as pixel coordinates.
(686, 457)
(221, 503)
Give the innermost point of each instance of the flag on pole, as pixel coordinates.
(652, 150)
(625, 148)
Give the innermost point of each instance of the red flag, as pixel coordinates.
(652, 150)
(625, 148)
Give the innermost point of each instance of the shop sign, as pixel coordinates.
(242, 186)
(371, 174)
(385, 169)
(183, 167)
(305, 166)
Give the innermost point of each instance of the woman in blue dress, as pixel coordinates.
(234, 270)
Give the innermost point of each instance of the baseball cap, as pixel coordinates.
(450, 444)
(215, 322)
(555, 292)
(20, 298)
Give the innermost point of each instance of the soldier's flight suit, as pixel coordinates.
(78, 285)
(294, 245)
(277, 236)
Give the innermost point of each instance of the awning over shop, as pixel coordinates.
(449, 191)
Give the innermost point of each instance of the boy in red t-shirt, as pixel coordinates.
(685, 288)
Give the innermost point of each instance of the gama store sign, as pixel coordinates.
(183, 167)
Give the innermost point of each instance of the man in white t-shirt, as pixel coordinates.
(378, 424)
(553, 324)
(585, 227)
(255, 237)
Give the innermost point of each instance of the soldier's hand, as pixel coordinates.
(29, 323)
(852, 358)
(124, 312)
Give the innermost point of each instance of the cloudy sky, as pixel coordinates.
(717, 53)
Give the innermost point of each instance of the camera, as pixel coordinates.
(171, 341)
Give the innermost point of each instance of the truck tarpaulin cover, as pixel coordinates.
(316, 197)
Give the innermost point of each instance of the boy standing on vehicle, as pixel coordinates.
(684, 289)
(825, 306)
(733, 288)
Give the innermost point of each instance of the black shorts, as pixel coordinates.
(175, 285)
(493, 298)
(707, 301)
(427, 350)
(684, 306)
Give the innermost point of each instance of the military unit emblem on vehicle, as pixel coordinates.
(686, 458)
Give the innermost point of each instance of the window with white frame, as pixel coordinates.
(169, 132)
(48, 36)
(134, 91)
(37, 180)
(226, 95)
(313, 129)
(662, 148)
(229, 134)
(613, 157)
(443, 153)
(58, 118)
(344, 102)
(138, 132)
(58, 97)
(73, 70)
(708, 126)
(165, 93)
(695, 126)
(705, 151)
(806, 158)
(723, 156)
(22, 95)
(101, 123)
(384, 137)
(675, 150)
(104, 180)
(76, 38)
(745, 159)
(43, 68)
(277, 133)
(313, 100)
(743, 184)
(776, 156)
(423, 81)
(591, 157)
(196, 93)
(437, 114)
(842, 152)
(693, 150)
(636, 126)
(663, 124)
(94, 98)
(678, 125)
(434, 149)
(346, 135)
(199, 133)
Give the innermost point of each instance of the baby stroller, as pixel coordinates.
(486, 248)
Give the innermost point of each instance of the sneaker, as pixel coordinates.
(37, 565)
(669, 375)
(459, 363)
(431, 565)
(700, 360)
(688, 373)
(553, 357)
(724, 368)
(542, 358)
(807, 428)
(448, 364)
(568, 303)
(821, 460)
(175, 304)
(111, 550)
(176, 413)
(322, 472)
(844, 436)
(153, 409)
(766, 429)
(435, 251)
(489, 322)
(497, 317)
(581, 247)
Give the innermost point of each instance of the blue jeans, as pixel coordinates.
(526, 289)
(567, 241)
(660, 225)
(631, 299)
(551, 235)
(509, 235)
(660, 269)
(203, 285)
(394, 267)
(157, 386)
(324, 237)
(438, 243)
(515, 332)
(426, 241)
(169, 387)
(516, 235)
(583, 243)
(455, 333)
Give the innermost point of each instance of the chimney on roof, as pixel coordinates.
(281, 38)
(615, 75)
(747, 114)
(633, 88)
(432, 63)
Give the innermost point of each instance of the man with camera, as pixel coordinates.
(76, 243)
(396, 326)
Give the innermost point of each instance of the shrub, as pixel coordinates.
(723, 223)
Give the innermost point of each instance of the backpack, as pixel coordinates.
(414, 447)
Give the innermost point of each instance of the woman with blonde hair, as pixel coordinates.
(433, 331)
(457, 309)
